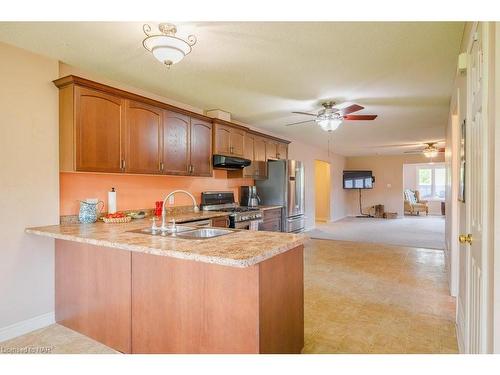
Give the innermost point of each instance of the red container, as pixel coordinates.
(158, 208)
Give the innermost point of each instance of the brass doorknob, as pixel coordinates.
(463, 238)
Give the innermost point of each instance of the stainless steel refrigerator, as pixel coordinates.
(284, 186)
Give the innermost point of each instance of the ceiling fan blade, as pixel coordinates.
(360, 117)
(298, 123)
(305, 113)
(350, 109)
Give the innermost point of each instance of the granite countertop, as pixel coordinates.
(242, 248)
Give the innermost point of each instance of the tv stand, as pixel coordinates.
(361, 214)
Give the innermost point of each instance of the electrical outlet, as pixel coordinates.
(171, 200)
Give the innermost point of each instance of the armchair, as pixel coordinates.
(413, 203)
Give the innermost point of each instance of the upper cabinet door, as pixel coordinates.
(249, 154)
(237, 142)
(222, 139)
(229, 140)
(201, 148)
(260, 165)
(271, 150)
(143, 138)
(176, 129)
(282, 151)
(98, 122)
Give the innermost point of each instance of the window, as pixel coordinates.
(431, 181)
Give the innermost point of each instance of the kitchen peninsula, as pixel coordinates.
(237, 293)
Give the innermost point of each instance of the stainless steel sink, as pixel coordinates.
(203, 233)
(186, 232)
(178, 229)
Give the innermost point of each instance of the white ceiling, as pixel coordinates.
(260, 72)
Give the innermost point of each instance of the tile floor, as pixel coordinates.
(359, 298)
(372, 298)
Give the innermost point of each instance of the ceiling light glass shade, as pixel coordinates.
(430, 153)
(329, 125)
(167, 48)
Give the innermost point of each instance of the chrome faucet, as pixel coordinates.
(164, 209)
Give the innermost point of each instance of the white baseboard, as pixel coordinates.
(26, 326)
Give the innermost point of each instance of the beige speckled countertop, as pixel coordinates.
(242, 248)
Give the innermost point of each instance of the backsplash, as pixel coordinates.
(139, 191)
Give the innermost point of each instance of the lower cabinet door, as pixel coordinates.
(222, 222)
(271, 225)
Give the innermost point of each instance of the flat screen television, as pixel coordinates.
(358, 180)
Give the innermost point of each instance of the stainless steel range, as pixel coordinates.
(240, 217)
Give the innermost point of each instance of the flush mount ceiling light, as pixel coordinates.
(166, 47)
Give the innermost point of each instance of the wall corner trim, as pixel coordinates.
(26, 326)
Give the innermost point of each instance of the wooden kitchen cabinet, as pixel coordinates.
(143, 134)
(220, 222)
(105, 129)
(228, 140)
(249, 154)
(260, 159)
(271, 149)
(282, 151)
(176, 143)
(271, 220)
(276, 150)
(98, 121)
(201, 148)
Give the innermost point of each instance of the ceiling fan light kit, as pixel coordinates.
(329, 125)
(166, 47)
(432, 153)
(330, 118)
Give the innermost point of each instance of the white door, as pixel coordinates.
(474, 256)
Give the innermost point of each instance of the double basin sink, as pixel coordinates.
(185, 232)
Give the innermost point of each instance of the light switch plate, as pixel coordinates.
(389, 186)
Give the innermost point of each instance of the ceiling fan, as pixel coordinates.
(430, 150)
(329, 118)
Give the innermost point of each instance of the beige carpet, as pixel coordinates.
(413, 231)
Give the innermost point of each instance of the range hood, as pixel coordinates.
(230, 162)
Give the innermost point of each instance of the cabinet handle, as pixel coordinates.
(230, 149)
(278, 155)
(122, 166)
(161, 166)
(192, 168)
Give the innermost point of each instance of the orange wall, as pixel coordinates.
(134, 191)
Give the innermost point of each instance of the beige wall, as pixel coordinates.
(388, 187)
(308, 154)
(322, 179)
(29, 186)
